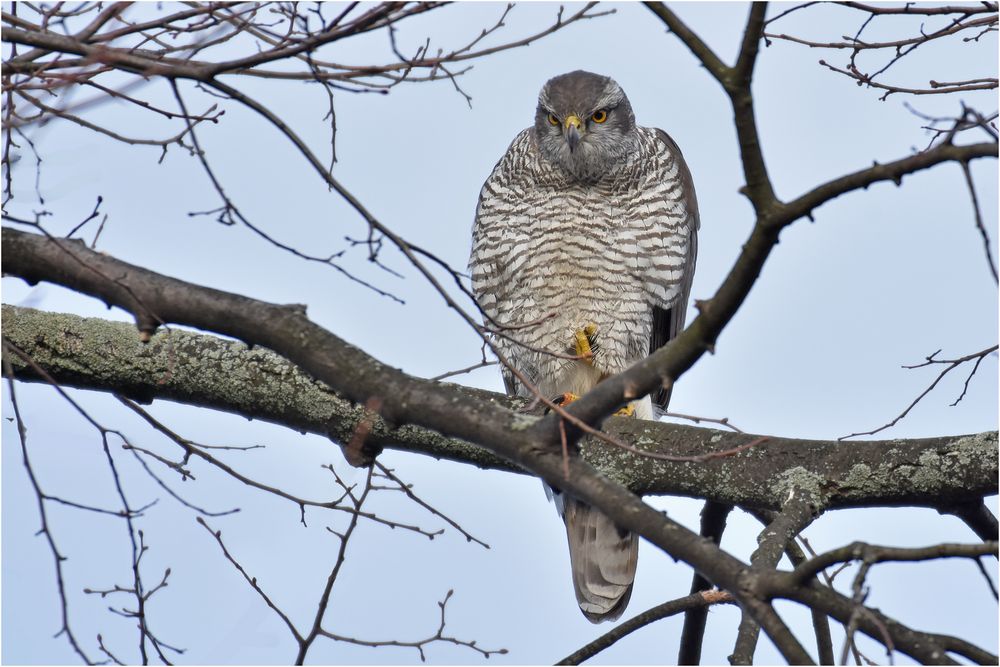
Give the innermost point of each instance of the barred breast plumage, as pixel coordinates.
(586, 223)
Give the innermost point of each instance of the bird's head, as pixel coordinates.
(584, 124)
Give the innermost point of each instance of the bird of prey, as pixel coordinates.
(583, 253)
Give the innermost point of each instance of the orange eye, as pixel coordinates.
(553, 120)
(599, 116)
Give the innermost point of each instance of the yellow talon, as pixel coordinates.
(563, 400)
(627, 411)
(567, 398)
(585, 342)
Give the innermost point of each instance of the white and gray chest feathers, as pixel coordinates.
(553, 253)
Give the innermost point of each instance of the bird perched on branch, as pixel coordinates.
(583, 253)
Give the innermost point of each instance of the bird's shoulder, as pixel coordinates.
(516, 170)
(671, 157)
(663, 140)
(522, 149)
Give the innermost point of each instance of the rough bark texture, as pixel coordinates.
(221, 374)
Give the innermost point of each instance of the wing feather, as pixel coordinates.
(668, 322)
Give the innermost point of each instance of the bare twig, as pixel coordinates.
(950, 365)
(982, 231)
(419, 645)
(57, 557)
(217, 535)
(405, 488)
(192, 449)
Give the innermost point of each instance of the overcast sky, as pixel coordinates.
(882, 278)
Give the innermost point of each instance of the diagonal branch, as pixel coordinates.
(672, 360)
(698, 600)
(894, 171)
(666, 365)
(950, 365)
(976, 516)
(736, 81)
(980, 227)
(752, 35)
(217, 535)
(798, 512)
(698, 47)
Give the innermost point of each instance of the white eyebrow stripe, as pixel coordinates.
(612, 97)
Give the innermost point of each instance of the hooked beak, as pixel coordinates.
(571, 130)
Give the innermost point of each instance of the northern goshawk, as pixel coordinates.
(583, 253)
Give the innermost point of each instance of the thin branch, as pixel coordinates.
(306, 641)
(463, 371)
(217, 535)
(699, 600)
(697, 419)
(865, 79)
(979, 225)
(950, 365)
(871, 554)
(419, 645)
(127, 513)
(191, 449)
(405, 488)
(913, 8)
(57, 557)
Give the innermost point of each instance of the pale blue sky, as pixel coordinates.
(881, 279)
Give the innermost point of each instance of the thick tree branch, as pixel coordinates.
(718, 69)
(414, 412)
(713, 523)
(752, 35)
(894, 171)
(928, 648)
(221, 374)
(821, 623)
(216, 373)
(976, 516)
(798, 512)
(156, 299)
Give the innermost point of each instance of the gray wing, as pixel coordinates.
(668, 322)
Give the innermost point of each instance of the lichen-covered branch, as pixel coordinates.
(213, 372)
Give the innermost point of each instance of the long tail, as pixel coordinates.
(603, 558)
